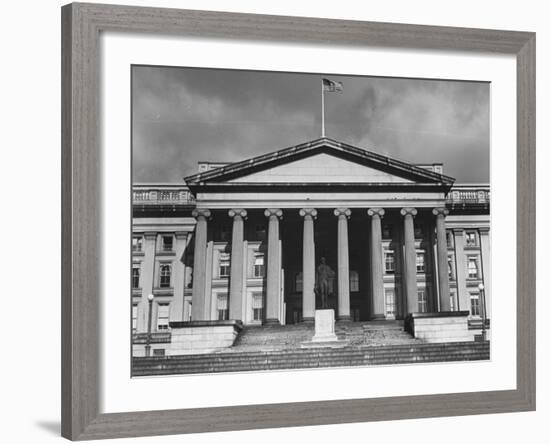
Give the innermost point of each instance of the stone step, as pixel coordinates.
(310, 358)
(291, 336)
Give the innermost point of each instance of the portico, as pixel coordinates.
(378, 222)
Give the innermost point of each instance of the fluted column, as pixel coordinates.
(176, 308)
(237, 264)
(485, 241)
(147, 277)
(376, 263)
(409, 261)
(463, 296)
(442, 259)
(199, 266)
(273, 295)
(343, 215)
(308, 265)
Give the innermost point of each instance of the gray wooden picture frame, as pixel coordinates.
(81, 175)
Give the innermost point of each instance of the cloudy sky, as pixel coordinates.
(185, 115)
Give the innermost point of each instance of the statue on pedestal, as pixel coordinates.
(324, 274)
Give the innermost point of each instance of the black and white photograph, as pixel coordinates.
(288, 220)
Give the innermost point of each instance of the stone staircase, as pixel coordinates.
(298, 358)
(372, 333)
(280, 347)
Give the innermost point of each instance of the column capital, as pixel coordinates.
(275, 212)
(203, 213)
(376, 212)
(408, 211)
(237, 212)
(181, 234)
(345, 212)
(441, 211)
(458, 231)
(484, 230)
(308, 213)
(150, 235)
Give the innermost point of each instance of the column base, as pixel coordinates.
(271, 322)
(308, 320)
(378, 317)
(343, 318)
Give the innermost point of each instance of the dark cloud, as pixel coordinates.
(185, 115)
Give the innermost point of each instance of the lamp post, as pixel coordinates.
(149, 321)
(483, 310)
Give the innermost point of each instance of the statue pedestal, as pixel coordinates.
(324, 326)
(324, 332)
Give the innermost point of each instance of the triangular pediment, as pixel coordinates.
(321, 168)
(322, 161)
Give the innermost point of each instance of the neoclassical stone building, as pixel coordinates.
(244, 241)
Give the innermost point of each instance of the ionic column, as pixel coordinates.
(147, 278)
(237, 264)
(176, 309)
(199, 266)
(376, 263)
(308, 265)
(273, 295)
(485, 242)
(409, 261)
(463, 296)
(442, 259)
(343, 263)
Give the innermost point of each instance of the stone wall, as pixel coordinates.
(440, 327)
(199, 337)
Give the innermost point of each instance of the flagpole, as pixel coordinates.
(322, 109)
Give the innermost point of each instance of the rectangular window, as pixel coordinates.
(389, 262)
(450, 267)
(165, 276)
(163, 316)
(167, 243)
(420, 261)
(422, 301)
(257, 306)
(259, 268)
(159, 352)
(474, 304)
(387, 231)
(223, 309)
(473, 269)
(298, 285)
(449, 236)
(353, 281)
(390, 302)
(452, 297)
(137, 243)
(225, 265)
(471, 239)
(135, 276)
(134, 317)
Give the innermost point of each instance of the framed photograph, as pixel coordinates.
(261, 213)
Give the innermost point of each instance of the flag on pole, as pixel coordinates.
(332, 86)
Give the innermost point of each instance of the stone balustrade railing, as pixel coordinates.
(180, 195)
(469, 194)
(162, 194)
